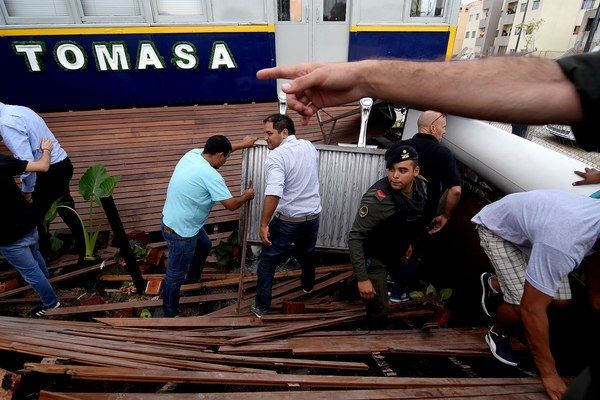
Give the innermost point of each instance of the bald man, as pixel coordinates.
(438, 166)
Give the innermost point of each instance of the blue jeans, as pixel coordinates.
(186, 259)
(25, 256)
(282, 234)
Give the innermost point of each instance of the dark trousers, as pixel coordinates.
(282, 234)
(186, 260)
(50, 186)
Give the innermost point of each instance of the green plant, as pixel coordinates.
(55, 242)
(432, 297)
(530, 28)
(228, 251)
(138, 248)
(95, 183)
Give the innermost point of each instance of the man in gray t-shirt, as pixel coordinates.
(534, 239)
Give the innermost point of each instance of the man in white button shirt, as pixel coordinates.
(291, 208)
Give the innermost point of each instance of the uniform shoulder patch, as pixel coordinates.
(380, 194)
(363, 211)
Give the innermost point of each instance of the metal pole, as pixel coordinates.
(122, 242)
(365, 109)
(522, 26)
(247, 211)
(588, 42)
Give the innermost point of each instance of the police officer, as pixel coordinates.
(388, 220)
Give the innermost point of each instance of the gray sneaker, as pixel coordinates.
(257, 311)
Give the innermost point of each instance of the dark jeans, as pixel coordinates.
(50, 186)
(282, 234)
(186, 259)
(405, 275)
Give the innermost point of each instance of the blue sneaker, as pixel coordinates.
(399, 298)
(501, 348)
(489, 299)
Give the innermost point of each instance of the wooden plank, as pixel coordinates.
(137, 304)
(465, 392)
(60, 278)
(285, 380)
(181, 322)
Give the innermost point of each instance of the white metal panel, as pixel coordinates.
(511, 163)
(331, 31)
(344, 175)
(103, 8)
(37, 8)
(239, 11)
(373, 12)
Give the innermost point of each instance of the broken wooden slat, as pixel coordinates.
(229, 378)
(181, 322)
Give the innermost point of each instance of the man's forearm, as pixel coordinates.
(538, 89)
(535, 322)
(269, 207)
(451, 201)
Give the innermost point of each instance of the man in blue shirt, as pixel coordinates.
(22, 131)
(194, 188)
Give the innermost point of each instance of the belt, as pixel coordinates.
(296, 219)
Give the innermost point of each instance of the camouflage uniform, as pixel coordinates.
(386, 223)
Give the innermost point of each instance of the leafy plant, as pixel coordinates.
(431, 296)
(55, 242)
(138, 248)
(228, 251)
(95, 183)
(530, 28)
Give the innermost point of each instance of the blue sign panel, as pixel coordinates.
(92, 71)
(407, 45)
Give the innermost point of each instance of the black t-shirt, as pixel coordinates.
(437, 165)
(18, 215)
(584, 71)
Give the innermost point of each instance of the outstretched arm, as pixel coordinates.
(538, 90)
(246, 142)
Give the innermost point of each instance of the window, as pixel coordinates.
(179, 10)
(535, 5)
(471, 17)
(334, 10)
(587, 4)
(36, 11)
(473, 34)
(231, 11)
(427, 8)
(477, 17)
(497, 32)
(517, 30)
(111, 8)
(467, 35)
(289, 10)
(588, 25)
(576, 30)
(523, 7)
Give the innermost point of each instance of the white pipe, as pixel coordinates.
(365, 109)
(511, 163)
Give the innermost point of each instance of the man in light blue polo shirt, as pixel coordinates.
(194, 188)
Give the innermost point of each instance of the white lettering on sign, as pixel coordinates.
(70, 56)
(111, 56)
(32, 52)
(221, 56)
(185, 56)
(149, 57)
(114, 56)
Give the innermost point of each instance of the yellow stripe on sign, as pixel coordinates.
(128, 30)
(451, 39)
(401, 28)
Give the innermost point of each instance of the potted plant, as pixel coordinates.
(437, 300)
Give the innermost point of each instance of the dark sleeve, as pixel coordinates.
(584, 71)
(448, 170)
(11, 166)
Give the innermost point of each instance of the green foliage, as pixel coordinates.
(95, 183)
(139, 250)
(431, 296)
(145, 313)
(530, 28)
(228, 251)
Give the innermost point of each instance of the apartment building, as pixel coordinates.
(480, 26)
(545, 28)
(581, 32)
(461, 26)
